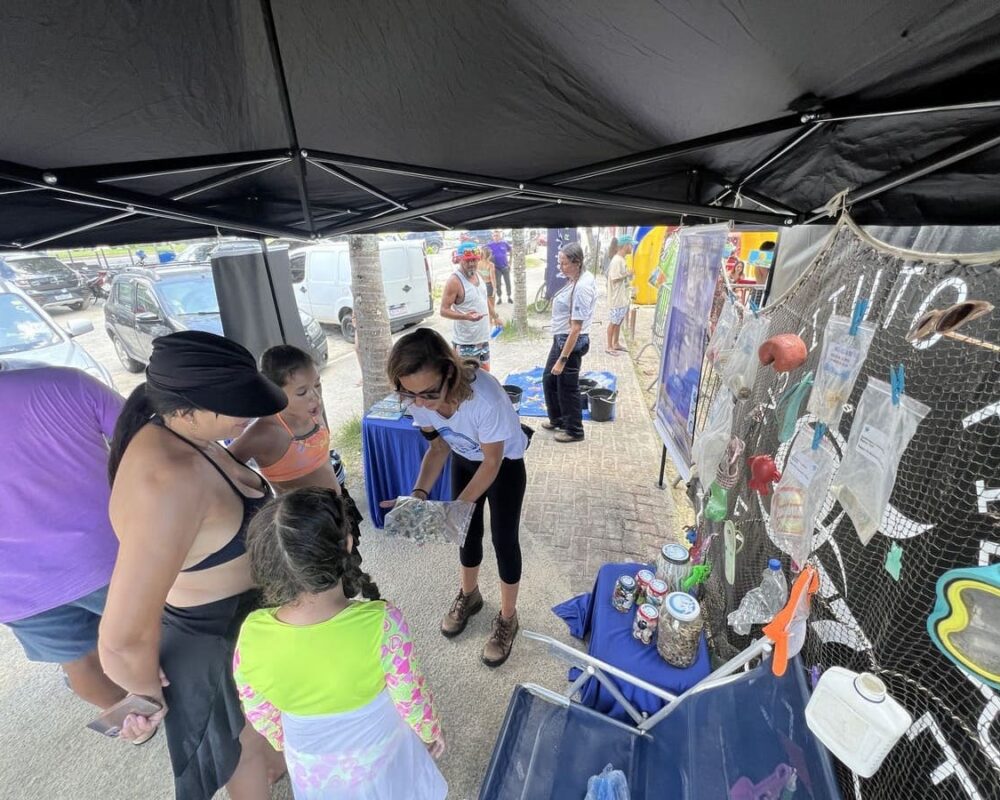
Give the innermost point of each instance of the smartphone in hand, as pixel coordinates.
(111, 721)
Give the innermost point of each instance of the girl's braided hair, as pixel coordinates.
(297, 545)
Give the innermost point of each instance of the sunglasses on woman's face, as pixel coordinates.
(431, 394)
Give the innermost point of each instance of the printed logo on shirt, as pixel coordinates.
(465, 446)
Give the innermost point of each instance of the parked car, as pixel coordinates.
(45, 279)
(28, 333)
(147, 303)
(321, 277)
(433, 240)
(479, 237)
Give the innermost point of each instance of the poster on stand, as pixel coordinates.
(556, 239)
(699, 259)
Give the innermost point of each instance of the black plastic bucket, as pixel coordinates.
(514, 393)
(586, 384)
(602, 404)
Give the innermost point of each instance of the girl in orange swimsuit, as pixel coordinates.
(292, 448)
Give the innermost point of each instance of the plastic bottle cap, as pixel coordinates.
(774, 564)
(870, 687)
(683, 607)
(676, 553)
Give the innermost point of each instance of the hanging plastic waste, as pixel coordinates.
(761, 604)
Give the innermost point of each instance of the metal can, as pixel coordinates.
(642, 579)
(644, 624)
(673, 565)
(624, 594)
(656, 592)
(679, 632)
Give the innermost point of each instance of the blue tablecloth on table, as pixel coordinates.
(392, 450)
(533, 399)
(611, 641)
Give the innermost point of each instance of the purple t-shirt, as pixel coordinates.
(501, 254)
(56, 541)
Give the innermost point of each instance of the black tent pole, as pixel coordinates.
(274, 293)
(286, 110)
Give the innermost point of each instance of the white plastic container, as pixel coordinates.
(857, 720)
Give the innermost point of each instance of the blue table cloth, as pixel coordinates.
(392, 450)
(611, 641)
(533, 399)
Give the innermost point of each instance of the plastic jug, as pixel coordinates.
(761, 604)
(854, 716)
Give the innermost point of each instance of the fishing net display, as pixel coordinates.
(943, 510)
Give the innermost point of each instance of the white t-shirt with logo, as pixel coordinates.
(486, 417)
(583, 297)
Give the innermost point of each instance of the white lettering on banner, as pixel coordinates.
(986, 496)
(983, 414)
(951, 766)
(951, 283)
(907, 271)
(833, 298)
(986, 551)
(897, 525)
(984, 726)
(872, 293)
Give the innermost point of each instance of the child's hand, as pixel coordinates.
(436, 748)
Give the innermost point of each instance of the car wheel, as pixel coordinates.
(127, 361)
(347, 327)
(77, 306)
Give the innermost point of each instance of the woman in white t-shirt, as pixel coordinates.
(572, 313)
(463, 411)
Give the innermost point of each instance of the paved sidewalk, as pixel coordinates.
(587, 503)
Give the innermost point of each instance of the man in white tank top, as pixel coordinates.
(465, 301)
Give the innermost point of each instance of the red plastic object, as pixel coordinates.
(763, 472)
(784, 352)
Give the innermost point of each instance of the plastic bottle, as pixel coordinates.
(496, 331)
(761, 604)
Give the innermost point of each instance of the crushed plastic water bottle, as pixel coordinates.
(610, 784)
(761, 604)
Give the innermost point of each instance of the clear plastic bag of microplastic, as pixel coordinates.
(740, 370)
(721, 345)
(840, 362)
(436, 521)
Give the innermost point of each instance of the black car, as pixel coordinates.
(433, 240)
(145, 303)
(45, 279)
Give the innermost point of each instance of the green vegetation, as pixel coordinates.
(346, 440)
(533, 261)
(513, 332)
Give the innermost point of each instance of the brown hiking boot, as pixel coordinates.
(457, 618)
(499, 645)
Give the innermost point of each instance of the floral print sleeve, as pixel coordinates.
(406, 683)
(265, 718)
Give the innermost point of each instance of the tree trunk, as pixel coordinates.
(594, 255)
(371, 317)
(519, 269)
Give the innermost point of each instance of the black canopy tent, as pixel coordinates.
(147, 121)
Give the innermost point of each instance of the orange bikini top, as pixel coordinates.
(305, 454)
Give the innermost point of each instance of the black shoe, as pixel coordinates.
(551, 426)
(563, 436)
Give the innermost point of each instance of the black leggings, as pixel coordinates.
(506, 495)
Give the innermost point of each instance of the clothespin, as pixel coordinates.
(818, 434)
(860, 309)
(897, 380)
(754, 308)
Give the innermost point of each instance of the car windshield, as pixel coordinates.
(21, 328)
(42, 265)
(194, 296)
(197, 252)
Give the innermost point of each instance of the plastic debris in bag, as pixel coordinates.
(436, 521)
(845, 348)
(799, 495)
(710, 443)
(883, 426)
(609, 785)
(723, 340)
(740, 371)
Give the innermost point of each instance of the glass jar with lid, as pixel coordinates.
(673, 565)
(679, 630)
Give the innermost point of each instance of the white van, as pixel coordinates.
(321, 279)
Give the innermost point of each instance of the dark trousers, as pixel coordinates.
(562, 392)
(503, 279)
(506, 496)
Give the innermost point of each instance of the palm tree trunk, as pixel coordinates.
(518, 268)
(371, 317)
(593, 255)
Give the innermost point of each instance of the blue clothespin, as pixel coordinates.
(897, 380)
(754, 308)
(818, 433)
(860, 309)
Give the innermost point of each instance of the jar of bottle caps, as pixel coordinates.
(644, 624)
(679, 631)
(673, 565)
(656, 592)
(624, 594)
(642, 579)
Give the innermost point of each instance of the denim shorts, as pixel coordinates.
(64, 633)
